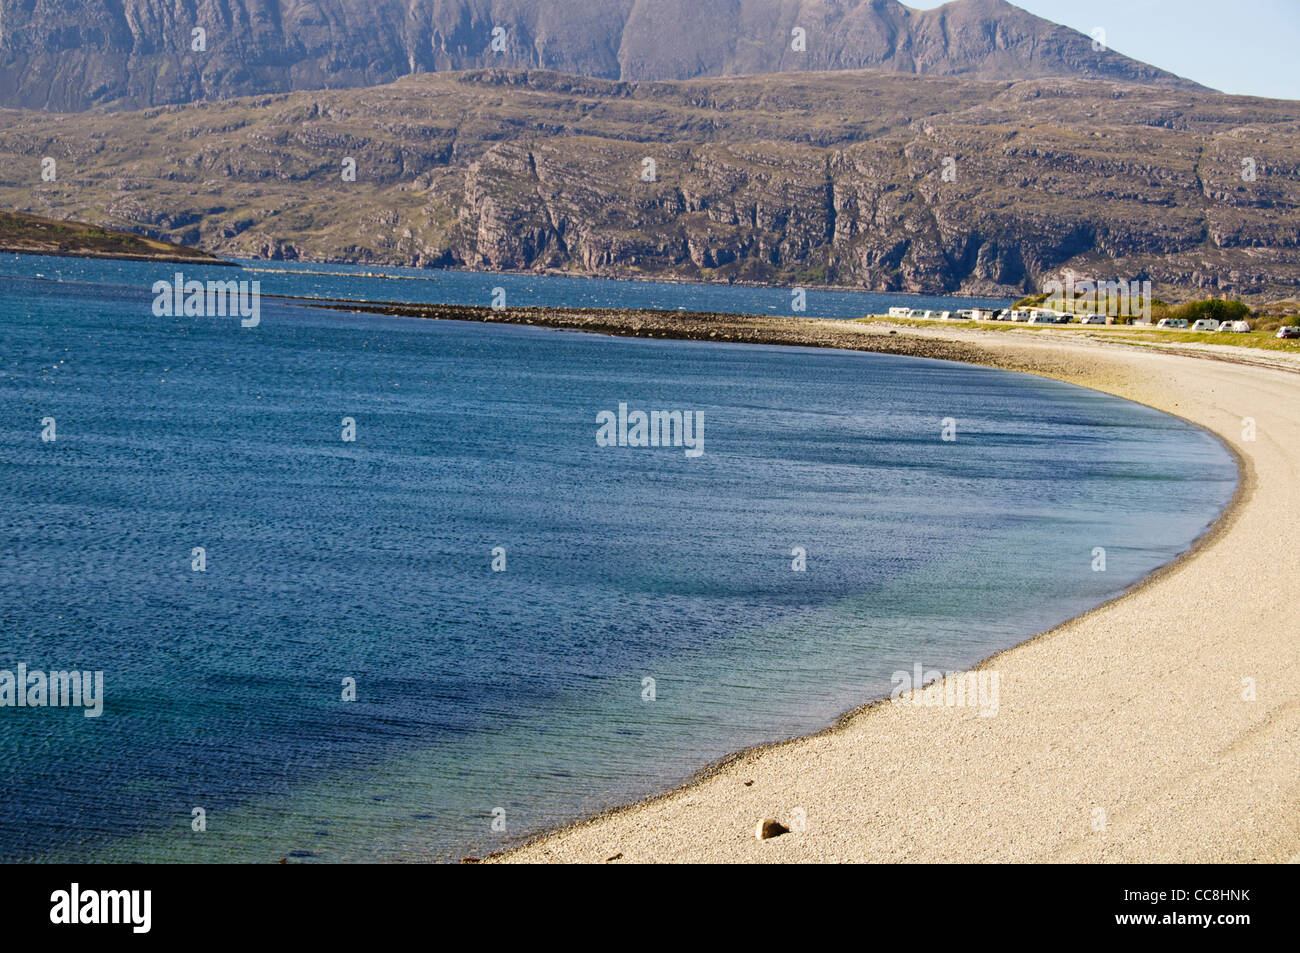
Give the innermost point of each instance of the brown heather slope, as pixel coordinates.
(788, 178)
(33, 235)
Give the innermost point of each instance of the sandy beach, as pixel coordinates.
(1163, 726)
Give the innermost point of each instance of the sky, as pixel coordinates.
(1250, 47)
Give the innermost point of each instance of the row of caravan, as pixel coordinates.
(1043, 316)
(1022, 315)
(968, 315)
(1205, 324)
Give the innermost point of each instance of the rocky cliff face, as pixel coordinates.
(71, 55)
(865, 179)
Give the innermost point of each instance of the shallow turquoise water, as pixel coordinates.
(519, 692)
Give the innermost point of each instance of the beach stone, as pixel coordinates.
(770, 827)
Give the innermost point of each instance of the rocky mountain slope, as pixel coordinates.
(868, 179)
(71, 55)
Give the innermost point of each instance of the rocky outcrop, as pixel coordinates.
(71, 55)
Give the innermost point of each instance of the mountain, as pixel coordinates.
(867, 179)
(72, 55)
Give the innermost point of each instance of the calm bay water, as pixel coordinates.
(519, 695)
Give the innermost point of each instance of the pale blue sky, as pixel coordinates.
(1250, 47)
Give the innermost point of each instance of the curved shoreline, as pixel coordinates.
(1124, 733)
(1245, 485)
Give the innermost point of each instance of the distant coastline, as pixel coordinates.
(24, 234)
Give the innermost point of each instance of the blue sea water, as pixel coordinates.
(491, 704)
(428, 286)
